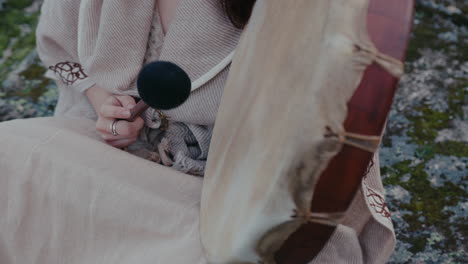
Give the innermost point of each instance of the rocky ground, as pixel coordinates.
(24, 92)
(424, 154)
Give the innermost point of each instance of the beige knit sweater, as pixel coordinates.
(180, 145)
(107, 42)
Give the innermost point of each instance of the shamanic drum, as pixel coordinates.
(292, 123)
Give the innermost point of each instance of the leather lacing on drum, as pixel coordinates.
(391, 65)
(365, 142)
(331, 219)
(304, 177)
(368, 143)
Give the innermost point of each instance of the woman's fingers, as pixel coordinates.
(113, 112)
(123, 128)
(117, 107)
(112, 100)
(138, 123)
(109, 136)
(126, 101)
(121, 143)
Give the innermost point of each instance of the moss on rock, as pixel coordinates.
(426, 35)
(12, 37)
(35, 71)
(426, 205)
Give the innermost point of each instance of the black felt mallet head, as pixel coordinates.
(162, 85)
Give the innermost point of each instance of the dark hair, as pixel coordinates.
(238, 11)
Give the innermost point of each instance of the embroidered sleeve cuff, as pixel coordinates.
(71, 74)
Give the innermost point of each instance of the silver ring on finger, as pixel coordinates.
(113, 127)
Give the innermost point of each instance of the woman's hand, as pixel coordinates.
(109, 107)
(118, 107)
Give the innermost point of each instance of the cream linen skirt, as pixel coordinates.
(67, 197)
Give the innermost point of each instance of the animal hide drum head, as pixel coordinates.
(280, 122)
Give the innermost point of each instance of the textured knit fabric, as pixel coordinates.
(107, 43)
(181, 146)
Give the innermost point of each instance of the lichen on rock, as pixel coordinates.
(24, 91)
(424, 154)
